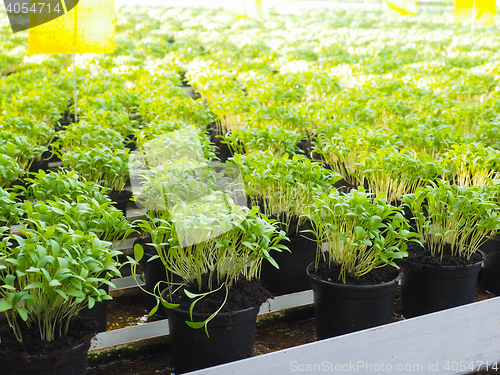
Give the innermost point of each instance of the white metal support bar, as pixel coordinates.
(455, 341)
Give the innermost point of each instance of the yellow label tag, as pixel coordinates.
(89, 27)
(481, 12)
(404, 7)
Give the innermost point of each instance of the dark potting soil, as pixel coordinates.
(243, 295)
(332, 273)
(81, 330)
(418, 256)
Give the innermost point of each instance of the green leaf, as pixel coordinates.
(196, 325)
(169, 305)
(5, 305)
(153, 311)
(75, 293)
(23, 313)
(138, 252)
(192, 295)
(273, 262)
(55, 283)
(62, 294)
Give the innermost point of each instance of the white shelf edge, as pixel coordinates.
(438, 343)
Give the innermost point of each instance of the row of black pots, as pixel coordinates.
(339, 309)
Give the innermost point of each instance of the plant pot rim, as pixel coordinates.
(355, 287)
(435, 266)
(226, 315)
(219, 314)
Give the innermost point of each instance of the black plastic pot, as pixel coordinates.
(341, 309)
(130, 142)
(491, 266)
(154, 272)
(434, 288)
(74, 362)
(291, 277)
(222, 150)
(232, 337)
(99, 312)
(36, 165)
(121, 200)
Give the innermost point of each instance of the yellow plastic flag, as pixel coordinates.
(247, 8)
(87, 27)
(404, 7)
(479, 12)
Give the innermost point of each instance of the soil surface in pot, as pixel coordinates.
(332, 274)
(243, 295)
(418, 256)
(81, 330)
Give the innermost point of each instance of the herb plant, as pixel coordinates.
(9, 170)
(50, 274)
(84, 214)
(361, 233)
(471, 164)
(186, 245)
(104, 166)
(284, 186)
(10, 209)
(455, 216)
(341, 149)
(273, 138)
(63, 184)
(396, 173)
(87, 136)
